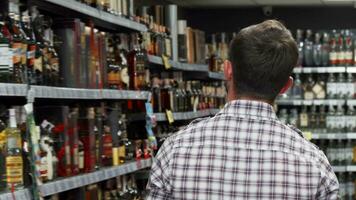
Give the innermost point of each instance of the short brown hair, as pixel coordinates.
(263, 57)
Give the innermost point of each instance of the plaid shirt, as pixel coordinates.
(244, 152)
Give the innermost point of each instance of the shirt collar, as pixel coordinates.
(249, 108)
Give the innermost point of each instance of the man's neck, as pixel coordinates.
(250, 99)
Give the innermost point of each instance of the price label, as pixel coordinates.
(170, 116)
(331, 136)
(166, 62)
(308, 135)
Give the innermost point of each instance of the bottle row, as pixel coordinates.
(178, 96)
(333, 86)
(126, 187)
(326, 48)
(324, 119)
(68, 141)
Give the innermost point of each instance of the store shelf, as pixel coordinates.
(90, 178)
(125, 94)
(65, 93)
(351, 102)
(333, 136)
(300, 102)
(178, 65)
(187, 115)
(13, 90)
(22, 194)
(216, 75)
(96, 14)
(338, 69)
(340, 168)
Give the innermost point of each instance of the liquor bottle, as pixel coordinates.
(106, 156)
(349, 121)
(308, 48)
(340, 48)
(6, 64)
(137, 65)
(317, 50)
(165, 95)
(122, 133)
(319, 88)
(113, 74)
(14, 160)
(297, 89)
(313, 118)
(348, 49)
(16, 45)
(283, 116)
(341, 152)
(213, 61)
(122, 61)
(294, 118)
(325, 49)
(156, 94)
(342, 89)
(308, 88)
(300, 43)
(167, 43)
(303, 119)
(330, 119)
(87, 136)
(333, 55)
(182, 41)
(350, 86)
(350, 186)
(31, 49)
(322, 119)
(340, 119)
(342, 185)
(2, 155)
(348, 151)
(331, 87)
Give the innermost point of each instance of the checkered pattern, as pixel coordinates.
(244, 152)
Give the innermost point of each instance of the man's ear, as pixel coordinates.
(228, 70)
(288, 85)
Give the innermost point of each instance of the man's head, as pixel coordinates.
(262, 57)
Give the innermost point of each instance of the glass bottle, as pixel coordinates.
(297, 89)
(308, 88)
(322, 119)
(350, 123)
(319, 88)
(156, 94)
(325, 49)
(213, 65)
(317, 50)
(6, 64)
(331, 87)
(31, 49)
(340, 48)
(333, 49)
(14, 160)
(294, 118)
(308, 48)
(122, 61)
(350, 86)
(300, 43)
(283, 116)
(348, 49)
(340, 119)
(341, 152)
(342, 86)
(304, 119)
(2, 155)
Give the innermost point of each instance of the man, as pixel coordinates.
(245, 152)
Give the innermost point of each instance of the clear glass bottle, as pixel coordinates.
(319, 88)
(322, 119)
(308, 88)
(14, 160)
(325, 49)
(300, 43)
(333, 49)
(6, 63)
(308, 48)
(317, 50)
(297, 89)
(348, 48)
(331, 120)
(331, 87)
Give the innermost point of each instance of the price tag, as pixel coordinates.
(166, 62)
(308, 135)
(170, 116)
(331, 136)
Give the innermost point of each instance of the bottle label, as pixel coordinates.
(330, 89)
(333, 57)
(38, 65)
(348, 57)
(17, 52)
(121, 153)
(5, 56)
(113, 77)
(13, 143)
(115, 154)
(107, 145)
(14, 170)
(309, 95)
(24, 54)
(341, 57)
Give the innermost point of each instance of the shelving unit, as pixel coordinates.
(187, 115)
(94, 14)
(178, 65)
(66, 184)
(21, 194)
(333, 136)
(338, 69)
(13, 90)
(301, 102)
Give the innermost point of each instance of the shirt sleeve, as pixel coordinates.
(159, 182)
(328, 188)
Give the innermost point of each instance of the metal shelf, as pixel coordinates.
(338, 69)
(65, 93)
(125, 94)
(13, 90)
(334, 136)
(216, 75)
(300, 102)
(178, 65)
(21, 194)
(187, 115)
(346, 168)
(97, 14)
(66, 184)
